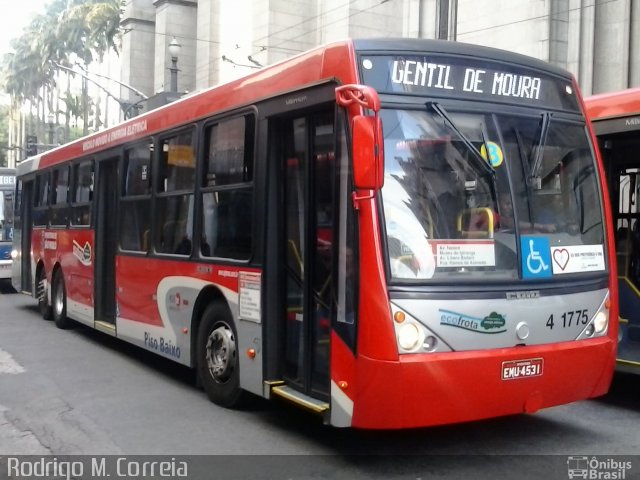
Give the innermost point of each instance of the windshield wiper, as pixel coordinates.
(539, 149)
(484, 163)
(525, 162)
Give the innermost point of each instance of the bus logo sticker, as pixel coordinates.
(484, 325)
(82, 253)
(495, 153)
(493, 320)
(577, 259)
(536, 257)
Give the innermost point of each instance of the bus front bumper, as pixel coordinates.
(432, 389)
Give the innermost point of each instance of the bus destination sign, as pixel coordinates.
(454, 77)
(7, 180)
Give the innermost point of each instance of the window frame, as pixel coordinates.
(80, 206)
(250, 149)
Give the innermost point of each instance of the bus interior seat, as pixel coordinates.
(475, 223)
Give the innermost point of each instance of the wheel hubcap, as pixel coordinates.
(221, 353)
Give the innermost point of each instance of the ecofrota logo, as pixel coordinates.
(597, 468)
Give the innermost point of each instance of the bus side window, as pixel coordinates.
(135, 219)
(227, 197)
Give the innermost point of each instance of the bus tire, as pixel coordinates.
(217, 357)
(59, 301)
(42, 296)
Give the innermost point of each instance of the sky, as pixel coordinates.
(16, 15)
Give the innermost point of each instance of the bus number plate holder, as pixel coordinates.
(513, 370)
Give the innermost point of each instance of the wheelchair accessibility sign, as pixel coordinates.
(536, 257)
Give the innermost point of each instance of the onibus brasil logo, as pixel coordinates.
(597, 468)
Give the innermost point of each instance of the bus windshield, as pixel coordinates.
(531, 211)
(6, 216)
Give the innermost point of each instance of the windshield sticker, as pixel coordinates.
(459, 254)
(495, 153)
(536, 257)
(491, 324)
(577, 259)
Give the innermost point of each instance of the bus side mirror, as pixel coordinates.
(367, 147)
(368, 157)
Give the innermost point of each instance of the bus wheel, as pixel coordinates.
(59, 300)
(217, 359)
(43, 298)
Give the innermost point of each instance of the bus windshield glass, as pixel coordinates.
(482, 196)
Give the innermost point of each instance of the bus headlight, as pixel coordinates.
(601, 321)
(413, 336)
(409, 336)
(14, 254)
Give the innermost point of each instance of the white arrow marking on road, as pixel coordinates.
(8, 364)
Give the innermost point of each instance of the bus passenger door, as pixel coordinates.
(307, 156)
(106, 241)
(26, 210)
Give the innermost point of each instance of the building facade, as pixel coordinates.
(597, 40)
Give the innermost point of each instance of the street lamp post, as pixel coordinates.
(174, 51)
(50, 121)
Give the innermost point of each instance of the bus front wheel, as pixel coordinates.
(59, 300)
(43, 296)
(217, 357)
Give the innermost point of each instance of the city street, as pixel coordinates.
(83, 392)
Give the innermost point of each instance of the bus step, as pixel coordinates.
(300, 399)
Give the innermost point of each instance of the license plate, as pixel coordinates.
(515, 369)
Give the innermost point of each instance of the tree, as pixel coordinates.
(69, 32)
(4, 137)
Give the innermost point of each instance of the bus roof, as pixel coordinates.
(616, 104)
(615, 112)
(319, 65)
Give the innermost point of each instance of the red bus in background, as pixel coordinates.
(616, 122)
(390, 233)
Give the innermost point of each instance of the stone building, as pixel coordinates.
(597, 40)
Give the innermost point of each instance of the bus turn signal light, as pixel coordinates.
(399, 317)
(251, 353)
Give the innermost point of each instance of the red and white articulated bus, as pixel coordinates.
(391, 233)
(616, 122)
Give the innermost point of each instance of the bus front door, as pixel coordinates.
(307, 151)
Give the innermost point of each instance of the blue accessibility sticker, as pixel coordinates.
(536, 257)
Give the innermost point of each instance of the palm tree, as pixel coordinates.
(69, 31)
